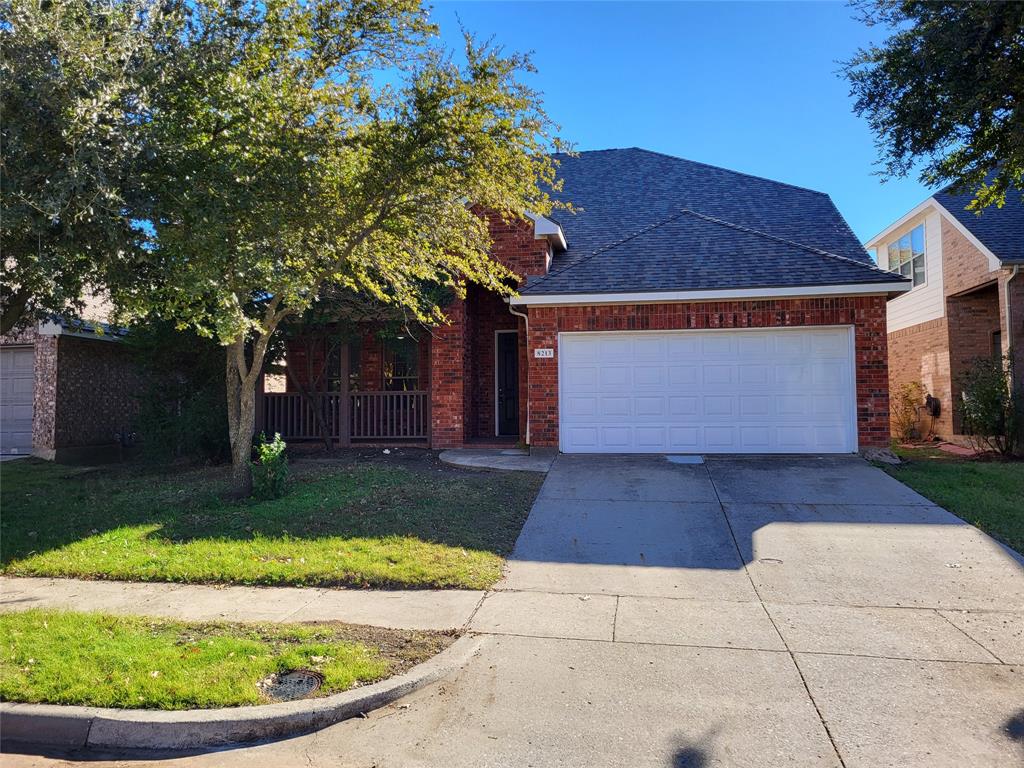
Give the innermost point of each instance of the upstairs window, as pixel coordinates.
(906, 255)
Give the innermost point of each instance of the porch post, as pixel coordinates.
(344, 401)
(260, 390)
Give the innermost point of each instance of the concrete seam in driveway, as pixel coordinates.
(803, 680)
(743, 648)
(961, 630)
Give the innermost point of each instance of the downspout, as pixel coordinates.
(1016, 385)
(526, 319)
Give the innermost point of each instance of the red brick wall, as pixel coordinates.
(866, 314)
(963, 265)
(447, 379)
(971, 319)
(920, 353)
(96, 394)
(514, 246)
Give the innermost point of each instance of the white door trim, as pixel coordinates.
(851, 335)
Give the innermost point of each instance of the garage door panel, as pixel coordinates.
(682, 348)
(753, 374)
(616, 406)
(684, 439)
(683, 375)
(683, 406)
(777, 390)
(17, 379)
(651, 438)
(616, 376)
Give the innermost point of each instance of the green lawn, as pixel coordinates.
(92, 659)
(985, 493)
(374, 524)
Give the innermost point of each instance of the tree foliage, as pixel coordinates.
(76, 78)
(300, 146)
(946, 89)
(988, 408)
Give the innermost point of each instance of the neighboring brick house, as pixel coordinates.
(967, 299)
(681, 308)
(67, 392)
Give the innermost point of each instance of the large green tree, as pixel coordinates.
(305, 145)
(76, 78)
(946, 90)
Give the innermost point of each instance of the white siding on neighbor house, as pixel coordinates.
(924, 302)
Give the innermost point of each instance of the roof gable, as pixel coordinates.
(648, 221)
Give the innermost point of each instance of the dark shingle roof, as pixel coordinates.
(1000, 229)
(650, 222)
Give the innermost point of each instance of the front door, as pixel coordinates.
(507, 380)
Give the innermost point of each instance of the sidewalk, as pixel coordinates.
(396, 609)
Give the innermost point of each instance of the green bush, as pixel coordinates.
(182, 412)
(989, 414)
(270, 470)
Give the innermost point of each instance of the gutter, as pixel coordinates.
(722, 294)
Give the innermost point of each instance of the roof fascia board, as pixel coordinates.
(920, 210)
(51, 328)
(993, 260)
(545, 229)
(659, 297)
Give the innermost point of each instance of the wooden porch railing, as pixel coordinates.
(368, 416)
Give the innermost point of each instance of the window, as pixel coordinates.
(401, 364)
(334, 357)
(906, 255)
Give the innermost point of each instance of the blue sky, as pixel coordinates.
(748, 86)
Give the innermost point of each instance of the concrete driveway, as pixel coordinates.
(743, 612)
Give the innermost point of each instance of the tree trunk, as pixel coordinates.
(12, 309)
(242, 377)
(241, 442)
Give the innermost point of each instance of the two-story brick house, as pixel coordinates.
(967, 299)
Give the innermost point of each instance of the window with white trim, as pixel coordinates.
(906, 255)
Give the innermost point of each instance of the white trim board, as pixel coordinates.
(658, 297)
(931, 203)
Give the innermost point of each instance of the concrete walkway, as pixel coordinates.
(397, 609)
(509, 459)
(745, 612)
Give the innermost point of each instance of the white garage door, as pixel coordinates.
(715, 391)
(16, 382)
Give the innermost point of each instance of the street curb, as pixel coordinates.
(83, 727)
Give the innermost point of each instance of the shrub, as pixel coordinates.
(182, 411)
(989, 415)
(270, 470)
(905, 404)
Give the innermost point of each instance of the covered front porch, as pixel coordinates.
(449, 386)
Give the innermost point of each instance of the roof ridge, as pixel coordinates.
(730, 170)
(759, 233)
(610, 246)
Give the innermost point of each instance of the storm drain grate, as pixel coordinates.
(288, 686)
